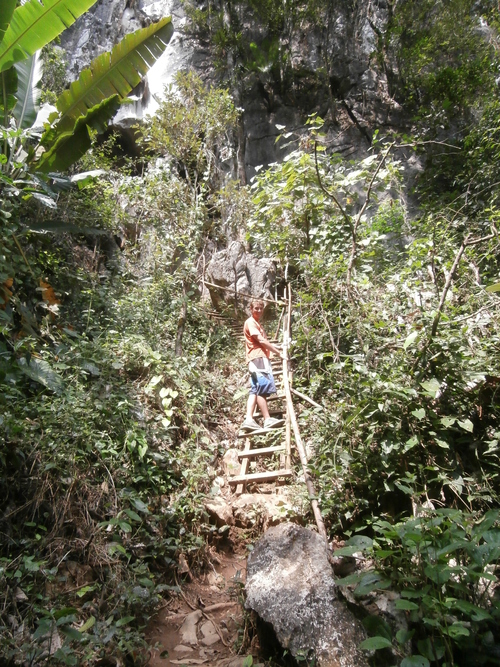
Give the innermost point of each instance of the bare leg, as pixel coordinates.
(254, 400)
(262, 403)
(251, 403)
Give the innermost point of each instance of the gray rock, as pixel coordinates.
(187, 630)
(239, 271)
(183, 649)
(290, 585)
(331, 64)
(219, 511)
(209, 633)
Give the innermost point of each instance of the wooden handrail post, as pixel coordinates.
(293, 420)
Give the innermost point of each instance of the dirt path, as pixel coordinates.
(205, 623)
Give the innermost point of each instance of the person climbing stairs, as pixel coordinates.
(258, 349)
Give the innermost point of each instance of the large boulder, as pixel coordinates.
(290, 585)
(238, 273)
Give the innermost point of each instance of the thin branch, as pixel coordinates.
(468, 317)
(243, 294)
(327, 192)
(368, 194)
(467, 242)
(23, 255)
(354, 228)
(446, 288)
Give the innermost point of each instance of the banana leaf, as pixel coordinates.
(70, 146)
(29, 74)
(6, 10)
(34, 25)
(112, 73)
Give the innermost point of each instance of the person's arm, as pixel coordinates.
(262, 340)
(270, 346)
(266, 345)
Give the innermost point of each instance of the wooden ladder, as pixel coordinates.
(248, 453)
(291, 423)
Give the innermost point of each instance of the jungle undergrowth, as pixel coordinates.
(105, 460)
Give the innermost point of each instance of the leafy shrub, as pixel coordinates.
(442, 563)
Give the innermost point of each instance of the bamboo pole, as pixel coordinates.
(293, 419)
(279, 324)
(244, 465)
(288, 423)
(306, 398)
(243, 294)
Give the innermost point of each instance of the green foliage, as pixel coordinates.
(110, 74)
(106, 453)
(297, 214)
(83, 110)
(432, 38)
(54, 73)
(411, 412)
(116, 446)
(480, 169)
(192, 126)
(32, 25)
(103, 431)
(442, 565)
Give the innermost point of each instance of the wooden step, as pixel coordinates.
(263, 451)
(261, 431)
(276, 397)
(260, 476)
(276, 411)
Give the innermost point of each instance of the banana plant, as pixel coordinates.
(29, 154)
(32, 158)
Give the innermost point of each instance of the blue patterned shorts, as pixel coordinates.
(262, 384)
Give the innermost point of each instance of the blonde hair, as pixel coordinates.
(256, 302)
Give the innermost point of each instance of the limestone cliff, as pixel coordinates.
(334, 66)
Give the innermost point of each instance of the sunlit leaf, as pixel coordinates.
(431, 387)
(34, 25)
(110, 74)
(40, 371)
(467, 425)
(375, 643)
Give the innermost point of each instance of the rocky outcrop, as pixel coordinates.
(335, 66)
(290, 586)
(239, 273)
